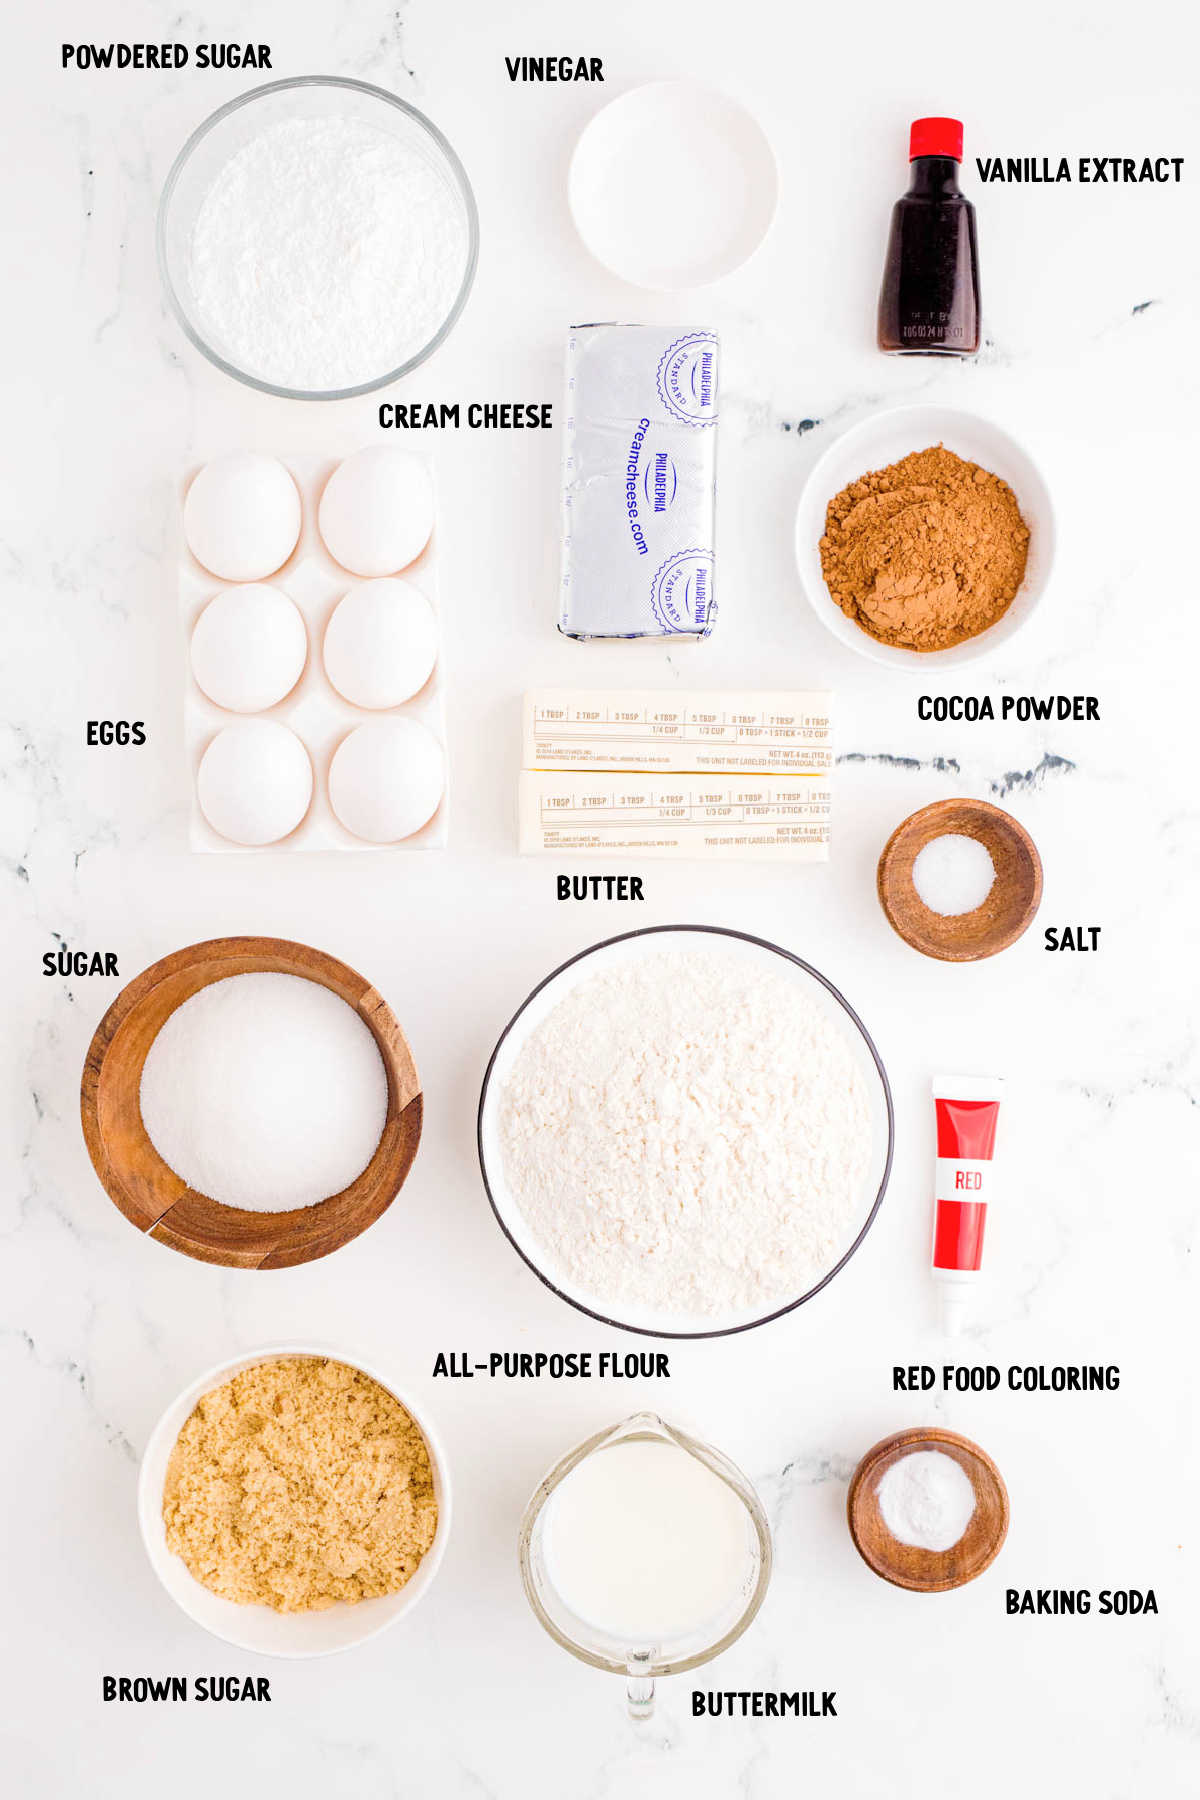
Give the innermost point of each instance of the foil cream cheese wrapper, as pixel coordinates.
(639, 482)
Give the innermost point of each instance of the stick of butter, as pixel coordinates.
(772, 818)
(657, 730)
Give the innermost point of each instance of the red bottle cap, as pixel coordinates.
(935, 137)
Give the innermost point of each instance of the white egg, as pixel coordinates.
(241, 516)
(249, 648)
(255, 782)
(381, 644)
(386, 779)
(377, 510)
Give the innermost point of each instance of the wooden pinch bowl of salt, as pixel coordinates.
(908, 1565)
(1004, 914)
(158, 1200)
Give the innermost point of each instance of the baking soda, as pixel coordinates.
(265, 1092)
(927, 1500)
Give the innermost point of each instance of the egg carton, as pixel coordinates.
(314, 710)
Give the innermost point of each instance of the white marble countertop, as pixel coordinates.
(1090, 298)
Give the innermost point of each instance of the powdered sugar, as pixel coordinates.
(325, 254)
(687, 1132)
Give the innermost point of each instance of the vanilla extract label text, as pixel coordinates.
(1086, 171)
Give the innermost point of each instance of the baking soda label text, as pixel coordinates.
(1065, 1602)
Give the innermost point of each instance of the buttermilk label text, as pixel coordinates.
(749, 1704)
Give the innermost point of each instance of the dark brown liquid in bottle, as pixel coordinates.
(929, 302)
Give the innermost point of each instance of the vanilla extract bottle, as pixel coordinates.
(929, 301)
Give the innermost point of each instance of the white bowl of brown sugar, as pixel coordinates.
(925, 534)
(293, 1502)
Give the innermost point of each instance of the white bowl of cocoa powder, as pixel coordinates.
(925, 534)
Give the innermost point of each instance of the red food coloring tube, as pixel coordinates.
(967, 1108)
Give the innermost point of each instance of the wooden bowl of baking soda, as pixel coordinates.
(960, 880)
(251, 1102)
(928, 1510)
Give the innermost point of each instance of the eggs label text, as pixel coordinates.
(116, 731)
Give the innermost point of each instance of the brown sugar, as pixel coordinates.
(925, 553)
(299, 1483)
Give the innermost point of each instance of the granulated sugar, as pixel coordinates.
(265, 1092)
(688, 1132)
(325, 254)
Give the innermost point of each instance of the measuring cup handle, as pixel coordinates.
(639, 1691)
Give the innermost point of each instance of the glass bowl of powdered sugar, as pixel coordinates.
(317, 238)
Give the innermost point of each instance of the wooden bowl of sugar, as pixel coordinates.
(155, 1197)
(941, 855)
(911, 1565)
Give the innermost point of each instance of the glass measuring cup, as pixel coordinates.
(641, 1662)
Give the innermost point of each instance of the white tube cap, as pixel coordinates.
(953, 1308)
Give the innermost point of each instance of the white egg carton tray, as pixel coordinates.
(314, 709)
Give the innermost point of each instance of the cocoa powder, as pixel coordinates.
(925, 553)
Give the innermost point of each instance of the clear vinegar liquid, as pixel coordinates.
(641, 1540)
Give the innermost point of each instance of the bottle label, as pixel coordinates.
(963, 1178)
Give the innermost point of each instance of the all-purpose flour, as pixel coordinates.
(687, 1132)
(326, 253)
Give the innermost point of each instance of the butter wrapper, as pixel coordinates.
(719, 818)
(661, 731)
(639, 482)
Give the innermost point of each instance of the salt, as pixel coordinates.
(926, 1500)
(265, 1092)
(953, 874)
(326, 254)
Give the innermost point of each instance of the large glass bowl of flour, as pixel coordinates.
(686, 1131)
(317, 238)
